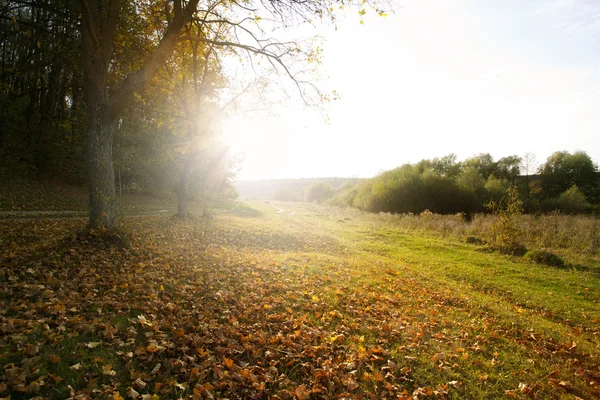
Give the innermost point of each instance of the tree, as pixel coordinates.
(483, 163)
(319, 192)
(508, 168)
(562, 170)
(106, 99)
(528, 167)
(98, 30)
(40, 96)
(446, 166)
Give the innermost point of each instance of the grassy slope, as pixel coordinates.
(320, 303)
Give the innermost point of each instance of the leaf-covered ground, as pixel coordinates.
(257, 304)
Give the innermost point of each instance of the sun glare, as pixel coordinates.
(233, 134)
(257, 141)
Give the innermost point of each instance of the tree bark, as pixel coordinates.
(102, 200)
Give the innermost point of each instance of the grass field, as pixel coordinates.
(308, 302)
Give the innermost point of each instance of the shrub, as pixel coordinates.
(545, 258)
(512, 249)
(572, 201)
(505, 234)
(474, 240)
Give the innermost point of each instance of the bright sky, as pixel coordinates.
(438, 77)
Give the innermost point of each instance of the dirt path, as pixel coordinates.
(229, 210)
(64, 214)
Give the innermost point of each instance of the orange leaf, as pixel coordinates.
(228, 362)
(302, 392)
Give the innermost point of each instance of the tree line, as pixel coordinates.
(118, 93)
(568, 182)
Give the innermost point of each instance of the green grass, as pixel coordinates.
(250, 301)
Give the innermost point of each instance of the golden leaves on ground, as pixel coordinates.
(226, 308)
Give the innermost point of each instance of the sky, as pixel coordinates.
(436, 77)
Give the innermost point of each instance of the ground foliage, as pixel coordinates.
(253, 304)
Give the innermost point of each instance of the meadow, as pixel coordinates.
(293, 300)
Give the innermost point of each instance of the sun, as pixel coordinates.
(235, 134)
(261, 143)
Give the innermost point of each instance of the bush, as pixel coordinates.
(474, 240)
(505, 234)
(572, 201)
(545, 258)
(511, 249)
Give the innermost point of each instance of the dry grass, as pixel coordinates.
(578, 233)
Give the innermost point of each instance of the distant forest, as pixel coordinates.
(304, 189)
(565, 182)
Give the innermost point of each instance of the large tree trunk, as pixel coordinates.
(98, 28)
(102, 201)
(183, 189)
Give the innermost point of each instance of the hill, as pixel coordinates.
(285, 189)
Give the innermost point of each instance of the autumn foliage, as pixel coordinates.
(264, 305)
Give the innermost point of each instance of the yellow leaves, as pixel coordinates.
(335, 338)
(154, 347)
(275, 316)
(117, 396)
(107, 370)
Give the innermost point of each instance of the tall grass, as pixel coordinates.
(580, 233)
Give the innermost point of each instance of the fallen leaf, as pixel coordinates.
(139, 384)
(107, 370)
(131, 393)
(75, 367)
(302, 392)
(156, 369)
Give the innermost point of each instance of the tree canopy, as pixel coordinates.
(448, 186)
